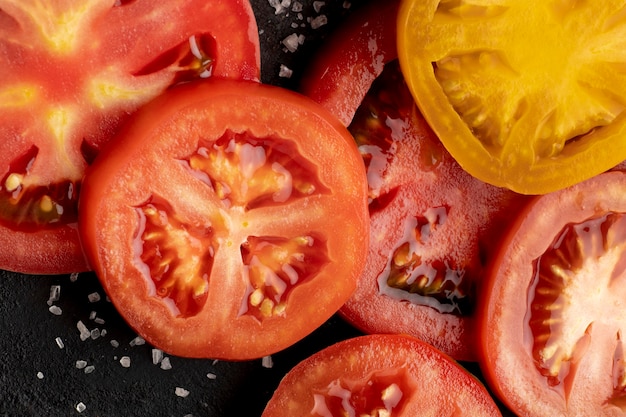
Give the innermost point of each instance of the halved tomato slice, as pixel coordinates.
(524, 95)
(553, 319)
(71, 73)
(380, 375)
(228, 220)
(433, 226)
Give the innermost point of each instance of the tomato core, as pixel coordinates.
(578, 252)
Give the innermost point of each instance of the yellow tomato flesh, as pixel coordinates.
(524, 95)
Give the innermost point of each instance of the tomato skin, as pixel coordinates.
(588, 331)
(71, 76)
(430, 383)
(420, 188)
(146, 161)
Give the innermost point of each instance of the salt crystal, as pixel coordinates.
(59, 342)
(137, 341)
(285, 72)
(55, 294)
(80, 407)
(125, 361)
(98, 320)
(95, 333)
(181, 392)
(84, 331)
(277, 5)
(74, 276)
(317, 5)
(114, 343)
(103, 332)
(94, 297)
(92, 315)
(267, 362)
(166, 365)
(319, 21)
(80, 364)
(292, 42)
(157, 356)
(296, 7)
(40, 375)
(89, 369)
(56, 310)
(347, 4)
(211, 375)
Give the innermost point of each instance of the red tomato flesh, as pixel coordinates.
(380, 375)
(552, 317)
(71, 73)
(228, 220)
(433, 226)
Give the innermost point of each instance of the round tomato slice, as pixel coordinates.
(71, 73)
(524, 95)
(433, 226)
(228, 220)
(380, 375)
(553, 314)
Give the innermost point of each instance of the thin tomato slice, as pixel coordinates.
(228, 220)
(433, 226)
(553, 314)
(524, 95)
(380, 375)
(71, 73)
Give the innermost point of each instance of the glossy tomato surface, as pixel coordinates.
(380, 375)
(229, 219)
(71, 73)
(433, 226)
(552, 320)
(524, 95)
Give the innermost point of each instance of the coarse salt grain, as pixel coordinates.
(95, 333)
(319, 21)
(166, 365)
(40, 375)
(94, 297)
(59, 342)
(157, 356)
(56, 310)
(84, 331)
(125, 361)
(74, 276)
(137, 341)
(317, 5)
(285, 72)
(292, 42)
(55, 294)
(267, 362)
(80, 407)
(89, 369)
(181, 392)
(81, 364)
(296, 7)
(114, 343)
(211, 375)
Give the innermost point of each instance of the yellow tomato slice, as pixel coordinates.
(525, 95)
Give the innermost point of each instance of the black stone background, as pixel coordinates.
(28, 330)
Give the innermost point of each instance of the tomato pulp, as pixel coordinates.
(552, 318)
(229, 219)
(71, 74)
(433, 226)
(380, 375)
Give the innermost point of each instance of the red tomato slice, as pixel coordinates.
(380, 375)
(71, 73)
(553, 314)
(433, 226)
(228, 220)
